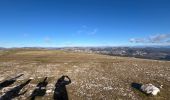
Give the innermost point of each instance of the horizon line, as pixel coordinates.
(83, 46)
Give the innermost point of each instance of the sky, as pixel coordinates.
(62, 23)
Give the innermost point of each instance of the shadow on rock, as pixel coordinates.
(136, 86)
(40, 89)
(15, 92)
(60, 92)
(9, 82)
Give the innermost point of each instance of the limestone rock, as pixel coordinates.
(150, 89)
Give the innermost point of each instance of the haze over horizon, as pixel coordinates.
(59, 23)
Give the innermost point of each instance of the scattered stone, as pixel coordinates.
(160, 86)
(1, 78)
(31, 78)
(108, 88)
(65, 63)
(49, 91)
(150, 89)
(39, 77)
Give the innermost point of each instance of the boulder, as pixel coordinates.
(150, 89)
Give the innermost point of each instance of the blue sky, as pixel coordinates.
(57, 23)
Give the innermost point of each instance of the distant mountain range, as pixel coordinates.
(157, 52)
(1, 48)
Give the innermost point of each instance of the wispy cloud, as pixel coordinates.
(93, 32)
(25, 35)
(159, 38)
(47, 39)
(137, 40)
(168, 41)
(154, 39)
(84, 26)
(87, 31)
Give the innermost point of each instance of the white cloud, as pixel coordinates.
(154, 39)
(159, 38)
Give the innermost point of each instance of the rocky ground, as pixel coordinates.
(93, 76)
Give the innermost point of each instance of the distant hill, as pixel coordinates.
(157, 53)
(153, 52)
(1, 48)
